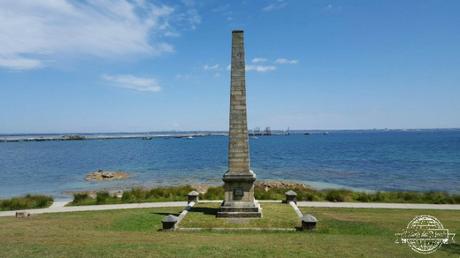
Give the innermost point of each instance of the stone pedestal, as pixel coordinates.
(239, 179)
(192, 197)
(239, 197)
(291, 196)
(309, 222)
(169, 223)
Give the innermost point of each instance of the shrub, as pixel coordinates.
(26, 202)
(173, 193)
(127, 197)
(379, 197)
(78, 197)
(438, 198)
(362, 197)
(455, 198)
(178, 193)
(339, 195)
(101, 197)
(213, 193)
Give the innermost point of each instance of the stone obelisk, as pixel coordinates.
(239, 179)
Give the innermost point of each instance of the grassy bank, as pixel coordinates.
(135, 195)
(178, 193)
(342, 195)
(134, 233)
(26, 202)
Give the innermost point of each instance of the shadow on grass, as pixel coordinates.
(451, 248)
(165, 213)
(205, 210)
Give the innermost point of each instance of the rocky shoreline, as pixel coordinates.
(77, 137)
(201, 188)
(266, 184)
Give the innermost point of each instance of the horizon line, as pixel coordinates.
(220, 131)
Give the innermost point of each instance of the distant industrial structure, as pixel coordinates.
(268, 132)
(257, 132)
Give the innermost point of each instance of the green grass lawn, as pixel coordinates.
(203, 215)
(134, 233)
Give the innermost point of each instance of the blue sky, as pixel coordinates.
(103, 66)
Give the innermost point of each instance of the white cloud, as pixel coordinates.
(224, 11)
(181, 76)
(259, 60)
(215, 69)
(211, 67)
(278, 4)
(260, 68)
(133, 82)
(190, 15)
(32, 32)
(286, 61)
(18, 63)
(259, 64)
(256, 68)
(221, 8)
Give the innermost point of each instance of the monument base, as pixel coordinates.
(239, 197)
(240, 210)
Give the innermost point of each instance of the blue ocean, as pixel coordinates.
(363, 160)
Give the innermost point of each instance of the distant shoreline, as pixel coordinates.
(184, 134)
(82, 137)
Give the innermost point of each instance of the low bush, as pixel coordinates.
(213, 193)
(26, 202)
(78, 197)
(135, 195)
(339, 195)
(101, 197)
(179, 193)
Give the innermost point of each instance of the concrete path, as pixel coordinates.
(57, 209)
(59, 206)
(375, 205)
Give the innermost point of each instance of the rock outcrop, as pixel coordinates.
(102, 175)
(269, 184)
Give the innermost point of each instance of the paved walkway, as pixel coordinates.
(374, 205)
(59, 206)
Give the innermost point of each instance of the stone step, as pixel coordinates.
(239, 209)
(222, 214)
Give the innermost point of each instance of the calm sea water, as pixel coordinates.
(420, 161)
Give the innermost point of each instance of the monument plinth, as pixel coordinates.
(239, 179)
